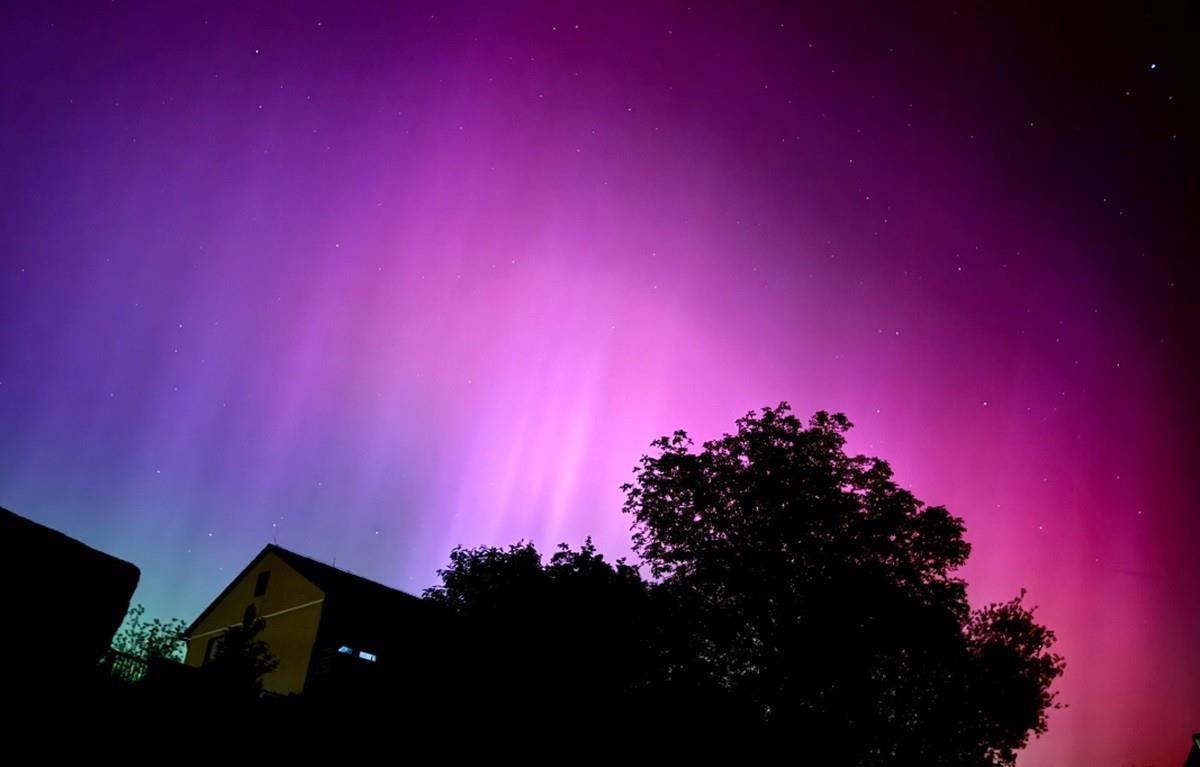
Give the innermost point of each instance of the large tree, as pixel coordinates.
(816, 597)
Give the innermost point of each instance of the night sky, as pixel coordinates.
(373, 281)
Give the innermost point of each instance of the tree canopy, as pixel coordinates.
(796, 594)
(823, 597)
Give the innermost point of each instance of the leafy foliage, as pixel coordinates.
(150, 639)
(820, 599)
(241, 659)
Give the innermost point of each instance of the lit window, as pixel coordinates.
(366, 655)
(344, 650)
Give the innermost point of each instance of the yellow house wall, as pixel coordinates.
(292, 611)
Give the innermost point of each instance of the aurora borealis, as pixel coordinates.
(376, 281)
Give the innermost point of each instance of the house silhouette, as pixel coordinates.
(334, 633)
(64, 598)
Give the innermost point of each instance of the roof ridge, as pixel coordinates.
(340, 570)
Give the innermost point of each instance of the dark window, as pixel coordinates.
(250, 614)
(211, 648)
(260, 586)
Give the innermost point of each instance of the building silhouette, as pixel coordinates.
(334, 633)
(64, 598)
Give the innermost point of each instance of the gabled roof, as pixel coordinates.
(338, 585)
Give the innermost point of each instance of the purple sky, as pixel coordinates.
(380, 280)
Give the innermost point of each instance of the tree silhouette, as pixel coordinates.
(798, 598)
(241, 659)
(816, 598)
(150, 639)
(559, 644)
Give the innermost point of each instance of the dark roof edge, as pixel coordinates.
(334, 571)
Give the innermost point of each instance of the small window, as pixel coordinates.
(250, 614)
(211, 648)
(344, 650)
(366, 655)
(260, 586)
